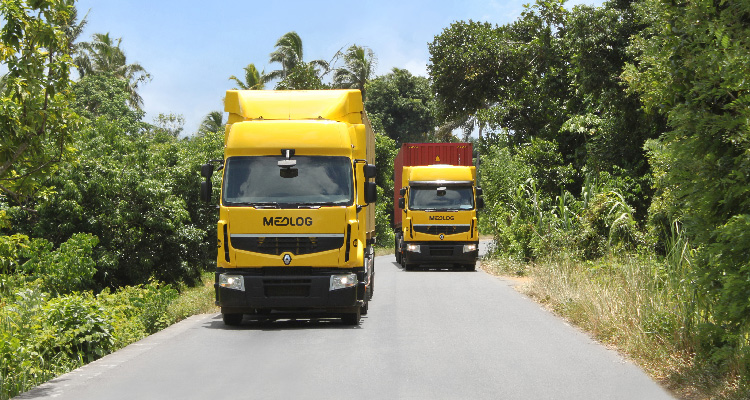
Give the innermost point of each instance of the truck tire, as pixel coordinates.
(352, 318)
(397, 249)
(232, 319)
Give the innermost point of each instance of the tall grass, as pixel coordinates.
(641, 305)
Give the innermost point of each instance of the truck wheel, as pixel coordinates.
(364, 308)
(232, 319)
(352, 318)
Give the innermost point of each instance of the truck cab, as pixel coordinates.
(296, 222)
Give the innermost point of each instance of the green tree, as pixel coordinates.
(253, 79)
(171, 124)
(696, 75)
(359, 67)
(35, 118)
(213, 122)
(606, 126)
(288, 53)
(385, 152)
(72, 27)
(467, 66)
(303, 76)
(103, 95)
(133, 186)
(104, 55)
(295, 73)
(403, 105)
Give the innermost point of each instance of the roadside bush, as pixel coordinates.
(140, 309)
(42, 336)
(75, 325)
(607, 224)
(64, 270)
(11, 247)
(383, 228)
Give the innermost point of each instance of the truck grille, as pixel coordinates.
(441, 251)
(286, 287)
(438, 229)
(279, 244)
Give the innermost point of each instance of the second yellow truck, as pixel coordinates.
(436, 202)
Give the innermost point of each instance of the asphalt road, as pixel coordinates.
(429, 335)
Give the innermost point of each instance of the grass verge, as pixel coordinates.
(631, 304)
(194, 300)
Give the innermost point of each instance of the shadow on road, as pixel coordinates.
(283, 323)
(433, 267)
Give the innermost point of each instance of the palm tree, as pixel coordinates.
(359, 67)
(103, 55)
(213, 122)
(289, 54)
(71, 27)
(254, 80)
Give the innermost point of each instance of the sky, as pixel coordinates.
(191, 48)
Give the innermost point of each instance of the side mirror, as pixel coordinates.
(207, 170)
(371, 192)
(402, 203)
(480, 191)
(369, 171)
(402, 192)
(206, 190)
(480, 202)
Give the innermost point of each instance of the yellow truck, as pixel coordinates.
(296, 216)
(437, 199)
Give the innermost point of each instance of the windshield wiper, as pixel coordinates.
(318, 204)
(257, 204)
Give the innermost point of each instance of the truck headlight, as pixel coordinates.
(413, 248)
(236, 282)
(468, 248)
(342, 281)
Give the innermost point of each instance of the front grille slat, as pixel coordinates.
(444, 229)
(277, 245)
(441, 251)
(286, 287)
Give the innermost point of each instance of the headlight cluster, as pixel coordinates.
(236, 282)
(342, 281)
(414, 248)
(468, 248)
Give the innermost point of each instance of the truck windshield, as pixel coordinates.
(315, 180)
(430, 198)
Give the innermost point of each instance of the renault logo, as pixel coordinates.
(287, 259)
(442, 236)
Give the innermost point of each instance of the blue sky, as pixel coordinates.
(190, 47)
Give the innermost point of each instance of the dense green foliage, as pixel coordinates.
(36, 119)
(98, 207)
(133, 186)
(401, 106)
(618, 129)
(696, 75)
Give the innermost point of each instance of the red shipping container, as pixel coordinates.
(413, 154)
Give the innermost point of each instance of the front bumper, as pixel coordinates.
(290, 289)
(441, 253)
